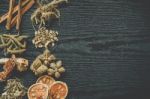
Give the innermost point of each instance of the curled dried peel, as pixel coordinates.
(38, 91)
(58, 90)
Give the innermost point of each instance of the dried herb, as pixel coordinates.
(47, 12)
(13, 44)
(44, 38)
(13, 90)
(47, 63)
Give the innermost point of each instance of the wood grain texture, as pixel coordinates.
(105, 47)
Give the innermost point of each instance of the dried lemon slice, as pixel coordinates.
(38, 91)
(58, 90)
(48, 80)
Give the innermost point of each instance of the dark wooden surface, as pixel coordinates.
(105, 47)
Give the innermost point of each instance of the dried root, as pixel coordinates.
(47, 12)
(10, 63)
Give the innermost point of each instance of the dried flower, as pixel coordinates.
(44, 37)
(56, 69)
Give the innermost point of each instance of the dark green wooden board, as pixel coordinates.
(105, 47)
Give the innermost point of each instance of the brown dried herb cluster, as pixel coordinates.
(13, 90)
(47, 63)
(44, 37)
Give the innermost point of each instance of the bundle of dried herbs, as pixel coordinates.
(14, 90)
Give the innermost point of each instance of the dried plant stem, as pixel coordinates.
(11, 7)
(26, 8)
(19, 16)
(4, 17)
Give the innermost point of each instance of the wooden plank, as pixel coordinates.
(105, 47)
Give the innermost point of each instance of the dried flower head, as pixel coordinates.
(56, 69)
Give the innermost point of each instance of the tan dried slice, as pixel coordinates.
(48, 80)
(38, 91)
(58, 90)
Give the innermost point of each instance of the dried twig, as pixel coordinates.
(26, 8)
(11, 7)
(4, 17)
(19, 16)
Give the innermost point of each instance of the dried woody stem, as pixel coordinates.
(19, 16)
(5, 16)
(11, 7)
(26, 8)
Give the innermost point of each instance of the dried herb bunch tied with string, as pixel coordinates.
(47, 63)
(14, 90)
(44, 38)
(47, 12)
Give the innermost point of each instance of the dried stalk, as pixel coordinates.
(5, 16)
(19, 16)
(25, 9)
(11, 7)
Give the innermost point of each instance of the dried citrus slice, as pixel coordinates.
(58, 90)
(48, 80)
(38, 91)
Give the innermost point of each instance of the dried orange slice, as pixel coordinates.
(58, 90)
(48, 80)
(38, 91)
